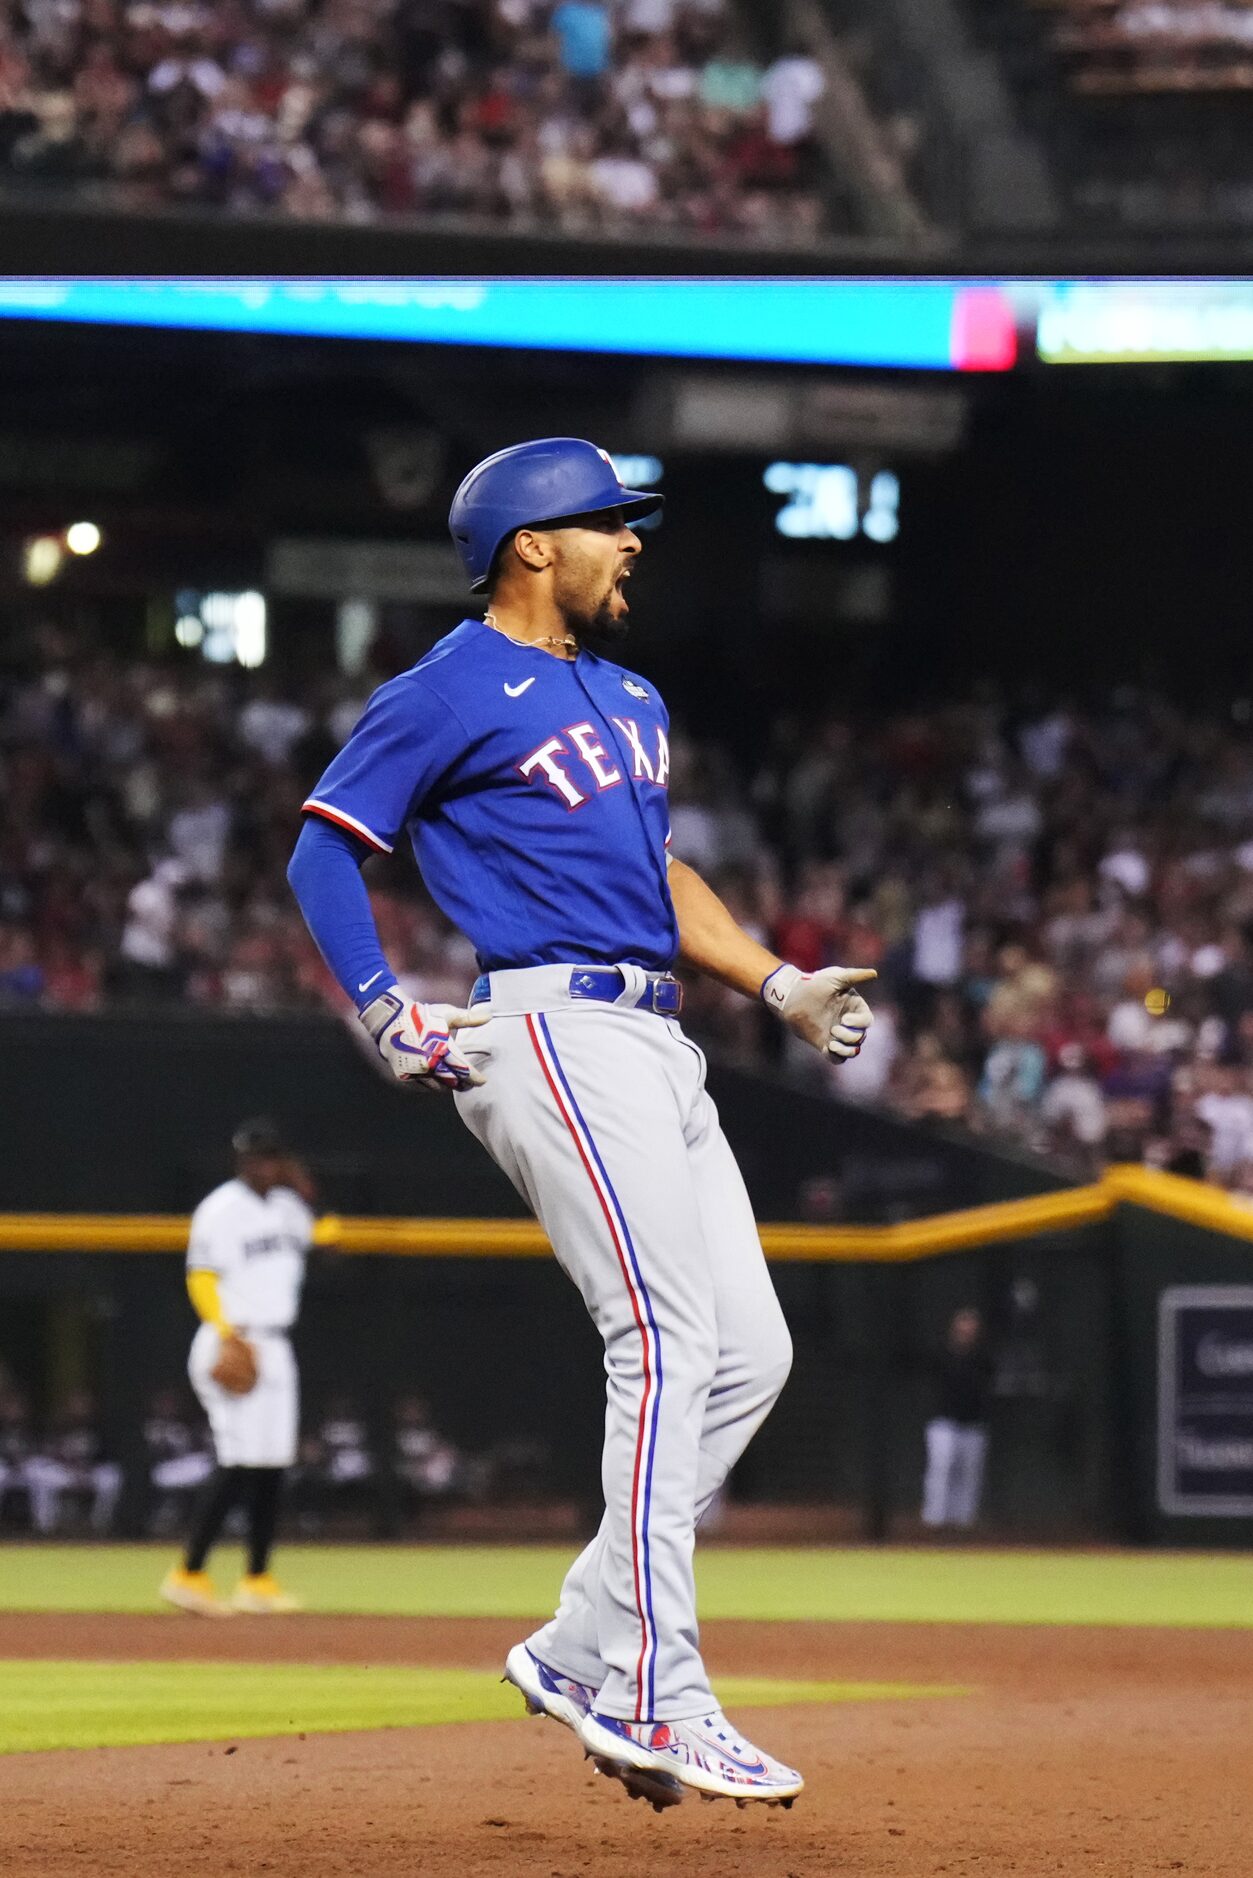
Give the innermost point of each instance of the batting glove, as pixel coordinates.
(822, 1007)
(415, 1040)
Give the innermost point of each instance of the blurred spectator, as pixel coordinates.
(791, 88)
(1072, 1107)
(1226, 1107)
(1013, 1073)
(69, 1465)
(335, 1469)
(179, 1457)
(345, 1442)
(17, 1445)
(584, 37)
(426, 1465)
(21, 975)
(957, 1433)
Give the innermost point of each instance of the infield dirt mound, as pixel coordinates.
(1104, 1753)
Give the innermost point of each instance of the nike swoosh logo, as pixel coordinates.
(723, 1753)
(515, 691)
(369, 982)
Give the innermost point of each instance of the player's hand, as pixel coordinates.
(236, 1369)
(416, 1040)
(822, 1007)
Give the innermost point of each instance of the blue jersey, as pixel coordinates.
(533, 790)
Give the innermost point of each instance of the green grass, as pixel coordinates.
(94, 1705)
(901, 1585)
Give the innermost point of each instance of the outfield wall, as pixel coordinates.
(429, 1278)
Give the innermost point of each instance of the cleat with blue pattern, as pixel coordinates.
(545, 1691)
(702, 1752)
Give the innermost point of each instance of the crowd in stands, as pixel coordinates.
(57, 1479)
(1058, 897)
(607, 116)
(56, 1473)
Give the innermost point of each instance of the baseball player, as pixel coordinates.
(245, 1269)
(529, 771)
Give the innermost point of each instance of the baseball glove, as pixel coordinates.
(236, 1369)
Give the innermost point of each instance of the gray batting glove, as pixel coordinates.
(822, 1007)
(416, 1040)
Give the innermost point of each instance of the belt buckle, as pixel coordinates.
(661, 992)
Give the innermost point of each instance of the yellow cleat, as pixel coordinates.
(192, 1592)
(262, 1596)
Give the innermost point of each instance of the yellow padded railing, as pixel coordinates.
(1168, 1194)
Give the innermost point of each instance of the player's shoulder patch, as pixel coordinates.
(636, 689)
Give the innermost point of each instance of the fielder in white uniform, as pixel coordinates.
(245, 1269)
(530, 774)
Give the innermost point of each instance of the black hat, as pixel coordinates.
(260, 1135)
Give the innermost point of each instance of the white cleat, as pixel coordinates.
(545, 1691)
(703, 1752)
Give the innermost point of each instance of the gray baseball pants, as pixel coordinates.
(599, 1116)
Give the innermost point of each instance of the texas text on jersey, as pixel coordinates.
(534, 791)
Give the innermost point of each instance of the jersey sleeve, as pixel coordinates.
(303, 1220)
(212, 1245)
(403, 743)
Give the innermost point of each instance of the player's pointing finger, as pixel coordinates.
(468, 1020)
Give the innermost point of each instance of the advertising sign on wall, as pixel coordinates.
(1205, 1400)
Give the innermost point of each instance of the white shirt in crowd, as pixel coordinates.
(791, 88)
(1132, 1027)
(1044, 744)
(257, 1247)
(1073, 1100)
(648, 16)
(625, 182)
(270, 726)
(1127, 868)
(152, 918)
(939, 942)
(1230, 1119)
(198, 836)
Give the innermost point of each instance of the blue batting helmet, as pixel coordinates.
(530, 484)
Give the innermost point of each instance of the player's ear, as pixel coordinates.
(534, 548)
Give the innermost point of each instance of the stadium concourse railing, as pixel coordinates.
(1168, 1194)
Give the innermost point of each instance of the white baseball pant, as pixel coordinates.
(598, 1114)
(953, 1484)
(258, 1429)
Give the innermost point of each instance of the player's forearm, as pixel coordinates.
(711, 940)
(325, 875)
(206, 1299)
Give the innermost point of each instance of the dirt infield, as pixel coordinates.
(1101, 1753)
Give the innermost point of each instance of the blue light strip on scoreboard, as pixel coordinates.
(938, 325)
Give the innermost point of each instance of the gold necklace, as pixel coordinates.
(566, 640)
